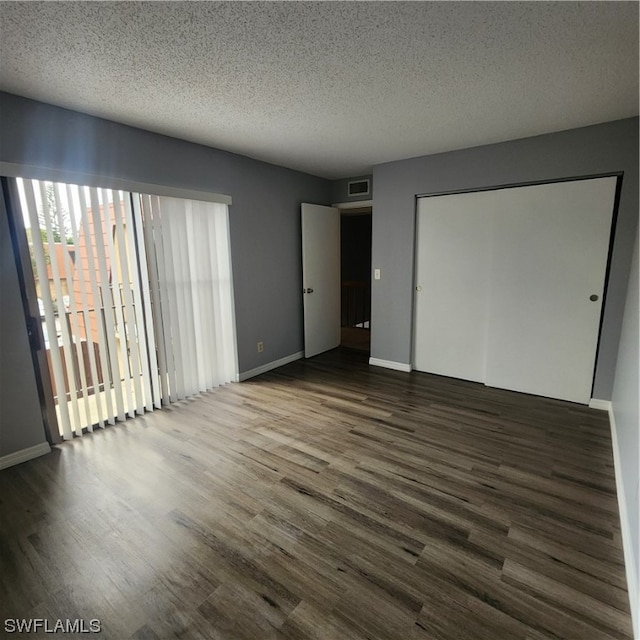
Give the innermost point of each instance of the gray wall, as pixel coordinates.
(20, 416)
(339, 190)
(605, 148)
(264, 216)
(626, 401)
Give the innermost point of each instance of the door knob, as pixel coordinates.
(593, 297)
(309, 290)
(418, 288)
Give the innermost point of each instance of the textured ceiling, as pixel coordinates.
(330, 88)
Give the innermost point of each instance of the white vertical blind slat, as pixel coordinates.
(162, 319)
(130, 334)
(67, 348)
(207, 292)
(227, 316)
(47, 303)
(153, 245)
(83, 303)
(173, 324)
(140, 280)
(216, 302)
(190, 262)
(183, 294)
(107, 300)
(75, 344)
(123, 381)
(183, 354)
(196, 284)
(103, 344)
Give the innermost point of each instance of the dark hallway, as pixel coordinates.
(355, 251)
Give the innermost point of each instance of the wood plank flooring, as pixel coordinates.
(355, 338)
(325, 500)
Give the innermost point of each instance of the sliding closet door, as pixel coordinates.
(453, 259)
(550, 252)
(509, 285)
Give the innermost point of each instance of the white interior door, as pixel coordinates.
(453, 258)
(551, 243)
(320, 278)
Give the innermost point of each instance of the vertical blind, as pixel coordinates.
(135, 295)
(187, 244)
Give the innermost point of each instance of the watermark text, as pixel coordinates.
(44, 625)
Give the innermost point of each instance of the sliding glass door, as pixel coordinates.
(134, 295)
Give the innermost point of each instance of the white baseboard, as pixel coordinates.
(245, 375)
(629, 560)
(602, 405)
(389, 364)
(23, 455)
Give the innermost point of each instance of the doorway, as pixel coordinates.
(355, 278)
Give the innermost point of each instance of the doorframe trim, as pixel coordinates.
(515, 185)
(359, 204)
(26, 282)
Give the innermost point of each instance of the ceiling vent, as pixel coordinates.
(358, 188)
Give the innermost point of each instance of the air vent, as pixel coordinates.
(358, 188)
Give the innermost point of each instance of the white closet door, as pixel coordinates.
(453, 259)
(550, 252)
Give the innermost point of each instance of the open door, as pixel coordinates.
(320, 278)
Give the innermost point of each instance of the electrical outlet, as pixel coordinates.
(260, 346)
(376, 274)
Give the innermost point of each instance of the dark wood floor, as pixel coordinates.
(327, 499)
(355, 338)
